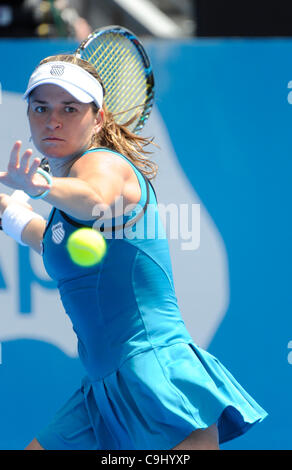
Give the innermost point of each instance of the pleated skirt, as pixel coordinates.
(153, 401)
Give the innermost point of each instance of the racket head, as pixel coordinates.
(125, 71)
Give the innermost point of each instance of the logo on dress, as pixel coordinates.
(57, 70)
(58, 233)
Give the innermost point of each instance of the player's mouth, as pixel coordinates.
(53, 139)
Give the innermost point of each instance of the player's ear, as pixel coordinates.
(99, 119)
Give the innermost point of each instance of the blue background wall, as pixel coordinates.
(226, 110)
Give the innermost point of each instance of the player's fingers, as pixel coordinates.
(33, 168)
(14, 155)
(24, 162)
(3, 174)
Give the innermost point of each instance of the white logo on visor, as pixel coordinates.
(58, 233)
(57, 70)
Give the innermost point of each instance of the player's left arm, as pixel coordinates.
(94, 183)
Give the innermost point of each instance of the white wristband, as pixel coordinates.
(15, 218)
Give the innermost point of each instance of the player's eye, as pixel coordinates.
(70, 109)
(40, 109)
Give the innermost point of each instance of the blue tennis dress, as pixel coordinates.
(148, 385)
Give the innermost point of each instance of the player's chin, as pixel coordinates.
(54, 149)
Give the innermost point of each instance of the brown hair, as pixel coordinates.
(114, 136)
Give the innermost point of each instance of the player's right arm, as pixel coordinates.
(32, 233)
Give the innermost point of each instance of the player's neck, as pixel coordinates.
(61, 166)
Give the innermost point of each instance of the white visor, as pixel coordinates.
(72, 78)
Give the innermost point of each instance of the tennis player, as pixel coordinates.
(148, 385)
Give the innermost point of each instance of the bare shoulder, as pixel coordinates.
(102, 162)
(108, 169)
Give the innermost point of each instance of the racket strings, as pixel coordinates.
(126, 69)
(98, 54)
(126, 97)
(126, 66)
(124, 72)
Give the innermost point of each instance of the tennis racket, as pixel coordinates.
(126, 73)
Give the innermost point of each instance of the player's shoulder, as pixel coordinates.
(102, 161)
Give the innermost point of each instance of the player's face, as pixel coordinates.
(60, 125)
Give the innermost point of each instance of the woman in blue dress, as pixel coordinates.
(148, 385)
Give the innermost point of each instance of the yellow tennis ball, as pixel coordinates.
(86, 246)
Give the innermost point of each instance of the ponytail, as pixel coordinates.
(118, 137)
